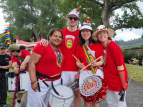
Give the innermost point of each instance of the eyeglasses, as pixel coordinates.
(15, 50)
(75, 18)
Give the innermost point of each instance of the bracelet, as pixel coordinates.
(13, 67)
(121, 71)
(33, 82)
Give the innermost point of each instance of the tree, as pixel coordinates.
(103, 12)
(27, 16)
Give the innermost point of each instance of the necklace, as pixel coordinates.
(58, 55)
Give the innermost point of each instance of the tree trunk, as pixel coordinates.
(105, 14)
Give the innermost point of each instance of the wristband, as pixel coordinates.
(121, 71)
(13, 67)
(33, 82)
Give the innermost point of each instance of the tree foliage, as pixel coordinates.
(103, 12)
(27, 16)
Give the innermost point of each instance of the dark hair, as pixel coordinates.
(82, 41)
(22, 47)
(52, 31)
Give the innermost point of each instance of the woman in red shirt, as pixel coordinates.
(115, 72)
(45, 61)
(87, 52)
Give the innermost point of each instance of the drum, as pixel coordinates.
(23, 83)
(93, 89)
(64, 100)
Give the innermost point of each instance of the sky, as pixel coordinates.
(125, 35)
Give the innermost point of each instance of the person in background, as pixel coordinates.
(5, 64)
(22, 47)
(20, 59)
(115, 72)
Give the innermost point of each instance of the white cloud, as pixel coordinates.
(126, 36)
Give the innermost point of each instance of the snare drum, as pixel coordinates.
(93, 89)
(66, 98)
(23, 83)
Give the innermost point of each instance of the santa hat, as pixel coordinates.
(75, 11)
(86, 25)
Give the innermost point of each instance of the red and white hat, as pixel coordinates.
(75, 11)
(103, 28)
(86, 25)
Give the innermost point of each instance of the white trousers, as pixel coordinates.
(112, 99)
(33, 98)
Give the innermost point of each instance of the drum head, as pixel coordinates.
(90, 85)
(63, 90)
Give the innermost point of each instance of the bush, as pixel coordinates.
(127, 56)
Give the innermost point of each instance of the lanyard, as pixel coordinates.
(58, 55)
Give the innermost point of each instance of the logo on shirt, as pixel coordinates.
(69, 41)
(7, 59)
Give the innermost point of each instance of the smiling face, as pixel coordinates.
(85, 34)
(102, 36)
(72, 20)
(56, 38)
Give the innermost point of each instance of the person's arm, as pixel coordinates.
(122, 77)
(7, 66)
(26, 60)
(32, 69)
(99, 63)
(15, 67)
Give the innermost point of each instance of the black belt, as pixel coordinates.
(39, 75)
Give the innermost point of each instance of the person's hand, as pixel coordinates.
(79, 64)
(77, 76)
(16, 70)
(34, 86)
(125, 86)
(94, 63)
(43, 42)
(22, 67)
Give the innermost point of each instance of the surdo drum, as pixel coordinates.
(65, 98)
(23, 82)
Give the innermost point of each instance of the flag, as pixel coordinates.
(32, 39)
(6, 35)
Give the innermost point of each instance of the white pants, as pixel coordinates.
(33, 98)
(68, 77)
(112, 99)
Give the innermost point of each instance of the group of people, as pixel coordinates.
(134, 61)
(53, 59)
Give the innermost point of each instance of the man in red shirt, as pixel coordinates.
(20, 59)
(68, 49)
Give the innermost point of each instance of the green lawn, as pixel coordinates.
(133, 70)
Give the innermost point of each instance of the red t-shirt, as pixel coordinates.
(97, 48)
(48, 63)
(24, 53)
(68, 47)
(114, 58)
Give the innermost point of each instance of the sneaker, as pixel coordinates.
(5, 106)
(18, 104)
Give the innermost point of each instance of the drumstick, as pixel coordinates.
(77, 59)
(47, 78)
(90, 63)
(129, 82)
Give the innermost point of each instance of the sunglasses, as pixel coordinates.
(15, 50)
(75, 18)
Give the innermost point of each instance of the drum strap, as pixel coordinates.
(39, 75)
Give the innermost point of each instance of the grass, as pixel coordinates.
(133, 70)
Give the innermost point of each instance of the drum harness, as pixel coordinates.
(39, 75)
